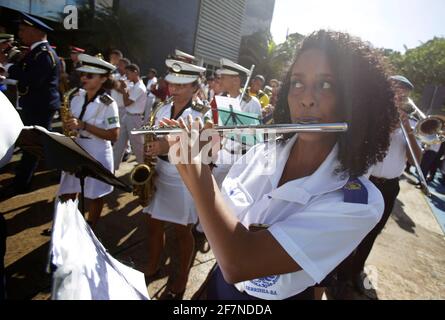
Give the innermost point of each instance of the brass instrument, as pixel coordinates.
(65, 113)
(253, 129)
(142, 176)
(429, 128)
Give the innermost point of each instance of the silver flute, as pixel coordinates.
(253, 129)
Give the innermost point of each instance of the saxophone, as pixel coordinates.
(142, 176)
(65, 113)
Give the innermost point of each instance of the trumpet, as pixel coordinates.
(429, 128)
(254, 129)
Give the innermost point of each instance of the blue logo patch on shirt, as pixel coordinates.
(355, 192)
(265, 282)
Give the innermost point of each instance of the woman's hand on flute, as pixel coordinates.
(198, 144)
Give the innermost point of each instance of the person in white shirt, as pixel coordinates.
(172, 201)
(119, 76)
(134, 98)
(290, 211)
(96, 118)
(151, 98)
(385, 175)
(231, 77)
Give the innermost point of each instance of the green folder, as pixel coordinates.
(231, 117)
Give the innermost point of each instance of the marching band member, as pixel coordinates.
(385, 176)
(230, 79)
(95, 116)
(289, 212)
(172, 202)
(135, 98)
(230, 75)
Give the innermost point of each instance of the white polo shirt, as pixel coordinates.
(253, 106)
(308, 216)
(138, 94)
(394, 163)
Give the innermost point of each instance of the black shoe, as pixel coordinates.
(125, 157)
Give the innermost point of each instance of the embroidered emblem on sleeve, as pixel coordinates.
(113, 120)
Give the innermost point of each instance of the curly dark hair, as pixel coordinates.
(364, 94)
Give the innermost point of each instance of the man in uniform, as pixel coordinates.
(38, 87)
(256, 90)
(231, 77)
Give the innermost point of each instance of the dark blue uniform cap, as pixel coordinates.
(403, 81)
(34, 22)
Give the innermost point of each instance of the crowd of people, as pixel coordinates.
(286, 233)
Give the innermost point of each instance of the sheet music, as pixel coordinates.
(10, 127)
(85, 270)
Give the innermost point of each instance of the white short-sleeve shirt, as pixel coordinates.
(394, 163)
(309, 216)
(98, 113)
(165, 112)
(138, 94)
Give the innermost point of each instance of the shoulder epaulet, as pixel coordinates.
(354, 191)
(200, 107)
(51, 55)
(106, 99)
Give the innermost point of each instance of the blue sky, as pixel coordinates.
(385, 23)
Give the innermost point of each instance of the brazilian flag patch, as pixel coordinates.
(112, 120)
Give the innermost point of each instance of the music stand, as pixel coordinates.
(230, 113)
(63, 153)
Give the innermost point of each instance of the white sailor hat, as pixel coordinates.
(231, 68)
(95, 65)
(181, 55)
(180, 72)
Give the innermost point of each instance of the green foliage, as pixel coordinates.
(270, 59)
(423, 65)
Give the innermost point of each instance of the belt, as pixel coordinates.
(135, 114)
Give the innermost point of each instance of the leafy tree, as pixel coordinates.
(270, 59)
(423, 65)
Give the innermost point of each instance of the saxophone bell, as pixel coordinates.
(140, 174)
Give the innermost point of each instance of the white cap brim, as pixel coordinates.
(89, 69)
(180, 78)
(227, 72)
